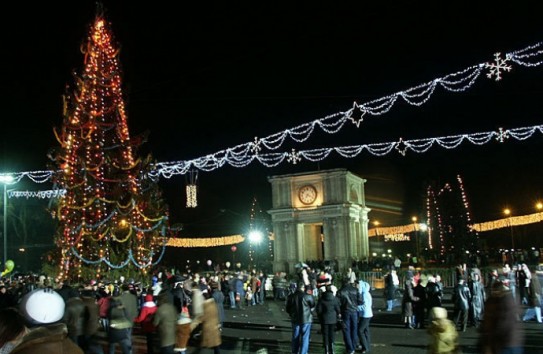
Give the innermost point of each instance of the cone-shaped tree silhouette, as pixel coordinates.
(112, 215)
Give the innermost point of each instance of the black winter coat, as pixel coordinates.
(299, 306)
(328, 309)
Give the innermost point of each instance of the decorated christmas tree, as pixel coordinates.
(450, 223)
(112, 215)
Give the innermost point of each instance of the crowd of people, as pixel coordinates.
(495, 304)
(174, 308)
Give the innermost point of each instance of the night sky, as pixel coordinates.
(202, 78)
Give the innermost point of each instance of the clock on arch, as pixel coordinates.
(307, 194)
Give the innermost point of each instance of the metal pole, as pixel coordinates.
(5, 224)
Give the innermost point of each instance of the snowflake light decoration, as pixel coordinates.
(498, 66)
(294, 157)
(255, 146)
(502, 135)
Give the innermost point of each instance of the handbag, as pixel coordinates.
(238, 297)
(340, 325)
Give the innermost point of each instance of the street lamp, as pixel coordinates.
(376, 224)
(414, 219)
(507, 213)
(5, 180)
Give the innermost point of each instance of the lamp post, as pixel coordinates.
(376, 224)
(5, 180)
(414, 219)
(507, 213)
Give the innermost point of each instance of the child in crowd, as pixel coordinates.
(444, 337)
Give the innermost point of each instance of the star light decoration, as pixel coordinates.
(498, 66)
(356, 120)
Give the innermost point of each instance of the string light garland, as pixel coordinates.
(508, 222)
(479, 227)
(401, 146)
(169, 169)
(459, 81)
(205, 241)
(48, 194)
(243, 154)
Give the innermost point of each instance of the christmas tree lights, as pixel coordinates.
(111, 214)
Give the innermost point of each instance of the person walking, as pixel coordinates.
(500, 330)
(328, 312)
(145, 318)
(365, 313)
(119, 327)
(299, 306)
(209, 320)
(350, 298)
(165, 319)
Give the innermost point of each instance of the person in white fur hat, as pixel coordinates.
(45, 334)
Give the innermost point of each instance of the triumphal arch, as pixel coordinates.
(318, 215)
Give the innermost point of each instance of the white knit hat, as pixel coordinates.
(43, 306)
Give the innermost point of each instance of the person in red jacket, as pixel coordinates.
(145, 318)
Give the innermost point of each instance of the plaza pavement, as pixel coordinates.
(266, 328)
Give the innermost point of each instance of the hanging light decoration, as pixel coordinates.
(192, 178)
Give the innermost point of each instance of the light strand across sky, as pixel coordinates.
(459, 81)
(243, 154)
(315, 155)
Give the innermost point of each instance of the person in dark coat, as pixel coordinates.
(299, 306)
(478, 297)
(433, 294)
(91, 343)
(350, 298)
(390, 290)
(407, 303)
(74, 317)
(6, 298)
(419, 306)
(461, 298)
(500, 330)
(119, 327)
(165, 320)
(130, 303)
(328, 312)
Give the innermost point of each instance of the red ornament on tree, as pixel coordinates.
(234, 248)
